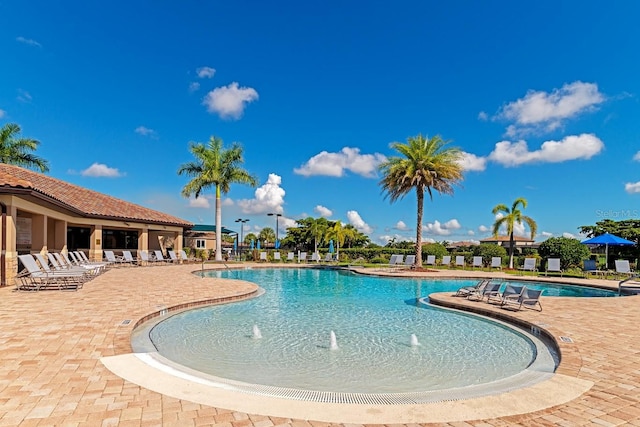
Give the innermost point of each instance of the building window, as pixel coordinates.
(119, 239)
(201, 244)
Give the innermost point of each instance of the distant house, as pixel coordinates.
(518, 242)
(203, 236)
(43, 214)
(463, 244)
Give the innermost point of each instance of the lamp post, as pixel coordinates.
(242, 222)
(277, 215)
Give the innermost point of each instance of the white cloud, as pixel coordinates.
(636, 156)
(358, 222)
(335, 164)
(199, 202)
(101, 170)
(322, 211)
(145, 131)
(542, 111)
(229, 101)
(571, 147)
(440, 229)
(30, 42)
(400, 225)
(194, 86)
(285, 223)
(483, 116)
(2, 113)
(471, 233)
(546, 234)
(268, 198)
(483, 229)
(384, 239)
(471, 162)
(632, 187)
(518, 228)
(227, 202)
(568, 235)
(24, 96)
(206, 72)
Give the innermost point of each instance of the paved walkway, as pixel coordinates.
(51, 343)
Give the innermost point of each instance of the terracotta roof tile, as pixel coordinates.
(87, 201)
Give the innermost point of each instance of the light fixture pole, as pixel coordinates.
(242, 222)
(277, 215)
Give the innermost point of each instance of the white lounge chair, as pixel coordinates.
(315, 257)
(328, 257)
(302, 257)
(478, 288)
(111, 258)
(409, 261)
(477, 262)
(431, 260)
(528, 298)
(496, 262)
(128, 258)
(623, 267)
(263, 256)
(34, 278)
(553, 266)
(75, 276)
(529, 265)
(173, 257)
(276, 256)
(185, 258)
(490, 290)
(446, 261)
(159, 257)
(510, 291)
(460, 261)
(290, 256)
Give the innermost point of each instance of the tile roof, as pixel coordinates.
(89, 202)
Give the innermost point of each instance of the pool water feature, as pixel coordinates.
(332, 331)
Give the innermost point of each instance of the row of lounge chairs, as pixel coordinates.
(510, 296)
(66, 271)
(145, 258)
(303, 257)
(460, 261)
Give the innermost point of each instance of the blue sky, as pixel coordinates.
(542, 96)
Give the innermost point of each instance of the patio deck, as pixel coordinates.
(52, 342)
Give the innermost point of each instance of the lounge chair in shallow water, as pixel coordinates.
(553, 266)
(528, 298)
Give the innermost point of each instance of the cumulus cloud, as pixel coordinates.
(440, 229)
(101, 170)
(206, 72)
(227, 202)
(546, 111)
(636, 156)
(471, 162)
(400, 225)
(632, 187)
(568, 235)
(483, 116)
(386, 238)
(268, 198)
(229, 101)
(546, 234)
(571, 147)
(285, 223)
(194, 86)
(322, 211)
(483, 229)
(336, 164)
(357, 221)
(471, 233)
(145, 131)
(199, 202)
(30, 42)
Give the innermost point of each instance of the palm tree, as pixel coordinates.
(339, 234)
(216, 167)
(426, 164)
(17, 151)
(267, 235)
(510, 218)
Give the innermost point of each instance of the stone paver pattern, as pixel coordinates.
(51, 343)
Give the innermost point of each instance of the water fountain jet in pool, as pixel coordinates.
(334, 342)
(256, 332)
(414, 340)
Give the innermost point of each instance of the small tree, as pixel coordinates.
(570, 251)
(437, 249)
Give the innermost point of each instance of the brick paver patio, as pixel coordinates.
(51, 344)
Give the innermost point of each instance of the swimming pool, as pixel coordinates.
(332, 331)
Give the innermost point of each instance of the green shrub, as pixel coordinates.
(570, 251)
(379, 260)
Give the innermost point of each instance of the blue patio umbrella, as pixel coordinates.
(277, 244)
(331, 250)
(235, 245)
(607, 240)
(258, 245)
(251, 245)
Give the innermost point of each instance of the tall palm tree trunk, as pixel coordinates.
(219, 225)
(420, 197)
(511, 250)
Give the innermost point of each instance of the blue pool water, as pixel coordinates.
(373, 320)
